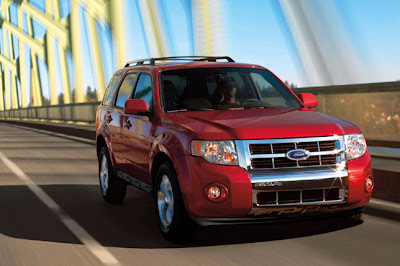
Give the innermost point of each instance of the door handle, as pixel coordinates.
(108, 117)
(127, 124)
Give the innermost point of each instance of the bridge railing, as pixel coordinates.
(374, 107)
(76, 112)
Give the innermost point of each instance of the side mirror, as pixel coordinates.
(308, 99)
(134, 106)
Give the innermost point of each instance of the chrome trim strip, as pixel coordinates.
(293, 140)
(133, 181)
(277, 155)
(295, 168)
(319, 149)
(297, 176)
(341, 201)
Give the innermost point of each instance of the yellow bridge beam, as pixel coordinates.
(64, 35)
(76, 51)
(1, 93)
(97, 63)
(22, 65)
(117, 24)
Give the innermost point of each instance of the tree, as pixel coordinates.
(91, 95)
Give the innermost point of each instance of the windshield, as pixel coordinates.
(222, 88)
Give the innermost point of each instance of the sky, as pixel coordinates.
(256, 32)
(253, 32)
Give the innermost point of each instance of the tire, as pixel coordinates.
(173, 219)
(112, 188)
(353, 216)
(357, 217)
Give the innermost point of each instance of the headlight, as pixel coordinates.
(355, 146)
(218, 152)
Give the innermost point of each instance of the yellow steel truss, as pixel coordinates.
(62, 35)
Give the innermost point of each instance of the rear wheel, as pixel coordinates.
(172, 217)
(112, 188)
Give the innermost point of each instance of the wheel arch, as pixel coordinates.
(100, 142)
(158, 160)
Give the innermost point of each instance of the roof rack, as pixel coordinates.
(152, 61)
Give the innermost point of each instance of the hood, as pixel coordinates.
(261, 123)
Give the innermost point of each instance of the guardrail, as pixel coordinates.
(374, 107)
(76, 112)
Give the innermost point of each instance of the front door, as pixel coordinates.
(117, 117)
(137, 133)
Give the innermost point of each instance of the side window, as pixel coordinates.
(111, 88)
(144, 90)
(126, 89)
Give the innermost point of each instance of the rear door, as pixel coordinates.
(137, 132)
(105, 115)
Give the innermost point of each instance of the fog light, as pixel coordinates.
(216, 192)
(369, 184)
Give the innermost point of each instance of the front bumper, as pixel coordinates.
(321, 213)
(243, 187)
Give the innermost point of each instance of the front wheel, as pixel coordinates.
(173, 220)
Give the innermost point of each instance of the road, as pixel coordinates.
(35, 232)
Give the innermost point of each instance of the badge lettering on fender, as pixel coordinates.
(268, 184)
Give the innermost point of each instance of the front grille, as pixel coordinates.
(299, 196)
(270, 154)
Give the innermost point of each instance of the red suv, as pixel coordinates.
(219, 142)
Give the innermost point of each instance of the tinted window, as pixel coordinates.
(144, 90)
(111, 88)
(126, 89)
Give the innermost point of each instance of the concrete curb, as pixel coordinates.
(385, 205)
(80, 131)
(51, 133)
(384, 209)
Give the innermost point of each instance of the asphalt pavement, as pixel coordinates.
(52, 213)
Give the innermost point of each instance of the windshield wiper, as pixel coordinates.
(190, 109)
(178, 110)
(255, 107)
(201, 109)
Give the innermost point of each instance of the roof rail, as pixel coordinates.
(152, 61)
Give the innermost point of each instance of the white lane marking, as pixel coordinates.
(98, 250)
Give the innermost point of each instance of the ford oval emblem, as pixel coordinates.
(298, 154)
